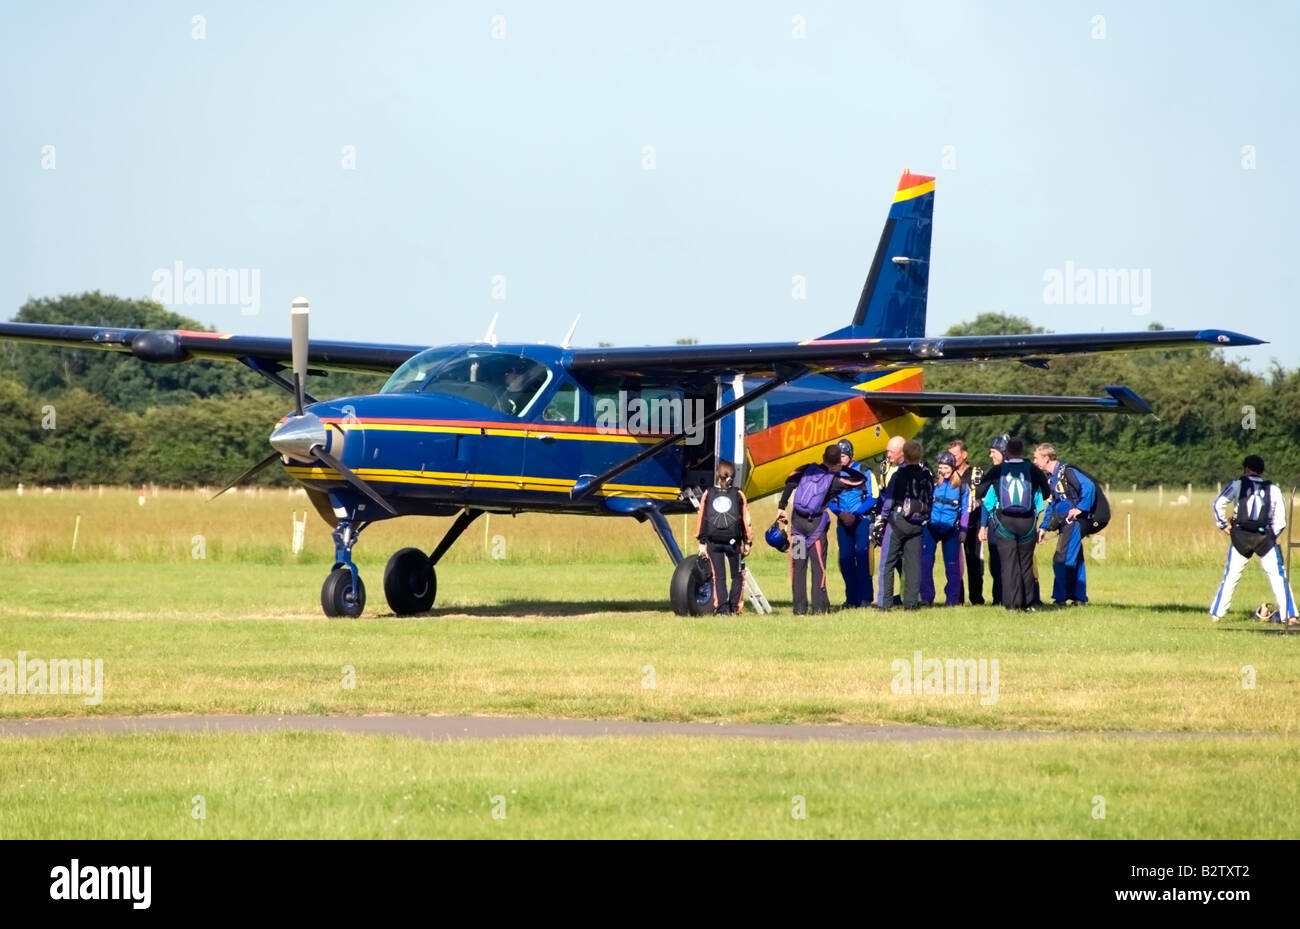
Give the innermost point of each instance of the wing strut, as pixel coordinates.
(585, 488)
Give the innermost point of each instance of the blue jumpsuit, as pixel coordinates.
(949, 516)
(855, 542)
(1070, 578)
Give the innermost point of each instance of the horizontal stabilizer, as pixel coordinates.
(933, 403)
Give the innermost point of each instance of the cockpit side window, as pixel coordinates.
(563, 407)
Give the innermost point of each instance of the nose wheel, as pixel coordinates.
(343, 594)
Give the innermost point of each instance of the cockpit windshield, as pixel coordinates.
(504, 382)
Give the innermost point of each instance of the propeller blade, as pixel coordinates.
(255, 469)
(352, 478)
(298, 319)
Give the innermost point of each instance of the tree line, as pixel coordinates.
(82, 417)
(1210, 412)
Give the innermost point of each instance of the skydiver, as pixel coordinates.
(1014, 503)
(1073, 495)
(945, 533)
(974, 551)
(1257, 523)
(905, 507)
(813, 486)
(852, 510)
(725, 536)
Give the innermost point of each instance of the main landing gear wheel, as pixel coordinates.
(689, 595)
(410, 583)
(337, 598)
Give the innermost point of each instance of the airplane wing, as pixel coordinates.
(846, 355)
(176, 345)
(819, 355)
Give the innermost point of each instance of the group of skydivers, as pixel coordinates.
(914, 517)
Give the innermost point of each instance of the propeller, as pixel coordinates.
(302, 436)
(352, 478)
(298, 331)
(255, 469)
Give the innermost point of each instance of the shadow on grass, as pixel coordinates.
(1157, 608)
(520, 608)
(1262, 629)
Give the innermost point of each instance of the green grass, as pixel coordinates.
(205, 638)
(569, 624)
(314, 785)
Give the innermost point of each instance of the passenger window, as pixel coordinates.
(756, 417)
(563, 407)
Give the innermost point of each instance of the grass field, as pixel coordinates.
(572, 622)
(311, 785)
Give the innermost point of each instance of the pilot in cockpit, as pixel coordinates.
(522, 380)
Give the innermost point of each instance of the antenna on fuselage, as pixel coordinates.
(490, 337)
(568, 336)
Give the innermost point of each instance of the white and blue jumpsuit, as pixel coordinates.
(1256, 525)
(1069, 576)
(949, 518)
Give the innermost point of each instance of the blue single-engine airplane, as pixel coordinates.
(505, 428)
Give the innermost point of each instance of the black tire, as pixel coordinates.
(688, 596)
(410, 583)
(337, 597)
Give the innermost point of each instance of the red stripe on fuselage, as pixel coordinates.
(513, 425)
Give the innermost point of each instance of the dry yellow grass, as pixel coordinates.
(255, 525)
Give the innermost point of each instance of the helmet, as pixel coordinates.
(1000, 442)
(777, 537)
(1267, 613)
(846, 447)
(947, 458)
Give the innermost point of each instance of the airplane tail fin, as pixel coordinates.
(893, 299)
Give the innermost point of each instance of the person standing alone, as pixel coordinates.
(725, 536)
(1256, 525)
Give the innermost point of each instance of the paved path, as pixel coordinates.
(498, 727)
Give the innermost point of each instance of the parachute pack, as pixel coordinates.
(1015, 490)
(812, 490)
(918, 494)
(1098, 518)
(1253, 511)
(723, 515)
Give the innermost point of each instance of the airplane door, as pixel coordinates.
(554, 452)
(729, 431)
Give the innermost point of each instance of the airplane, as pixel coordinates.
(488, 427)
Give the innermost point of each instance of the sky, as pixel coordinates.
(665, 170)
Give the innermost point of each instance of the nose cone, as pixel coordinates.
(296, 437)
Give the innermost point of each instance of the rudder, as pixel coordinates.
(893, 300)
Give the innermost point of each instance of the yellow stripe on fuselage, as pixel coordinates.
(480, 481)
(887, 380)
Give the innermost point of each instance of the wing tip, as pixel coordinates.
(1228, 338)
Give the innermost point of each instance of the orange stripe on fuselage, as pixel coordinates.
(830, 423)
(867, 420)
